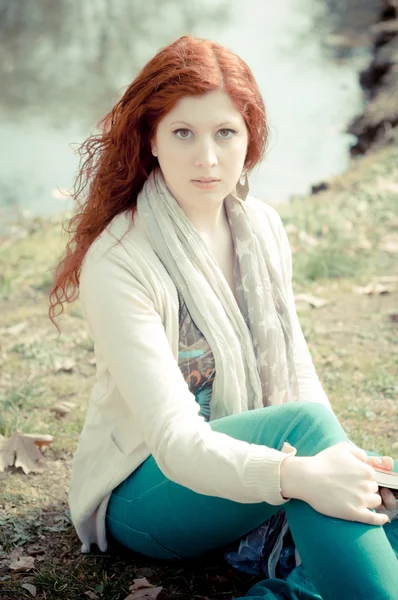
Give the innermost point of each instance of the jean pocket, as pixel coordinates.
(138, 541)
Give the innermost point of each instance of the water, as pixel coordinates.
(310, 93)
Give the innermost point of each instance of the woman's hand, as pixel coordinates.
(388, 499)
(339, 482)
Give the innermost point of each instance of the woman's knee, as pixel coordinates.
(313, 427)
(312, 411)
(308, 426)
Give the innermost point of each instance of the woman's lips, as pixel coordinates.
(206, 185)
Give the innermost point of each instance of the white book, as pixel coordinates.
(387, 479)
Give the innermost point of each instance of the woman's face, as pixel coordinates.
(201, 137)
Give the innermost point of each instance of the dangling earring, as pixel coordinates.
(242, 189)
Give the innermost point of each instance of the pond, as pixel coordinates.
(307, 73)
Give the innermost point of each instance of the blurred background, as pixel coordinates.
(64, 64)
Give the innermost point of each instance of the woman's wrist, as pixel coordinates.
(294, 471)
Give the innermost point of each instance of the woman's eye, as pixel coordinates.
(184, 137)
(185, 131)
(228, 131)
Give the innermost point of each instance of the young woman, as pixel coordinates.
(207, 418)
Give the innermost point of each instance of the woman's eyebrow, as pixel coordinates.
(185, 123)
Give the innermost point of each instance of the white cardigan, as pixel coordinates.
(141, 404)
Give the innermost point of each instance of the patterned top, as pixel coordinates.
(269, 548)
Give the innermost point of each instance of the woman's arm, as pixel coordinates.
(336, 482)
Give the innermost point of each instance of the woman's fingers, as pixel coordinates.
(371, 518)
(374, 501)
(386, 462)
(388, 498)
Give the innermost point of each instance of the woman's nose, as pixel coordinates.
(206, 155)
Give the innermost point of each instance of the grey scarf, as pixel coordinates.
(254, 365)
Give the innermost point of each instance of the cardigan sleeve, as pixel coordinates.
(129, 334)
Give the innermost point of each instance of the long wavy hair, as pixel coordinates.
(115, 163)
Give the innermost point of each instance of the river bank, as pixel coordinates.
(378, 125)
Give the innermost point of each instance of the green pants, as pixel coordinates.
(344, 560)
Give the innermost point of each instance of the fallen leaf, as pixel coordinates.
(31, 588)
(145, 594)
(390, 246)
(312, 300)
(63, 408)
(141, 582)
(331, 359)
(308, 239)
(391, 186)
(15, 553)
(22, 451)
(373, 288)
(66, 365)
(39, 439)
(141, 588)
(16, 329)
(91, 595)
(23, 563)
(363, 244)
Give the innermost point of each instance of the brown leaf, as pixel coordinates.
(308, 239)
(312, 300)
(66, 365)
(373, 288)
(31, 588)
(23, 563)
(141, 582)
(7, 454)
(390, 246)
(22, 451)
(16, 329)
(363, 244)
(145, 594)
(390, 186)
(63, 408)
(141, 588)
(39, 439)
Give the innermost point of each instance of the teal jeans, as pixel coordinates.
(344, 560)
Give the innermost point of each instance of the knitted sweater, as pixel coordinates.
(141, 403)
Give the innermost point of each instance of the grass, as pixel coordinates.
(340, 239)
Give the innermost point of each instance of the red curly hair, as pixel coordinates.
(116, 163)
